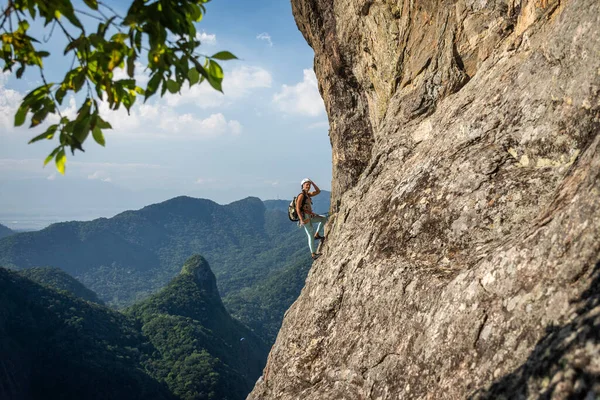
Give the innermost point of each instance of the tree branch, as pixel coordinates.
(6, 14)
(90, 15)
(50, 92)
(71, 38)
(113, 11)
(47, 38)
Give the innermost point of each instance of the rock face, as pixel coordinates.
(463, 258)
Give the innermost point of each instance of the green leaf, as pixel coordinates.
(20, 71)
(103, 27)
(60, 94)
(196, 14)
(138, 40)
(98, 136)
(215, 75)
(20, 115)
(215, 83)
(102, 124)
(172, 86)
(224, 55)
(127, 83)
(51, 156)
(128, 100)
(67, 11)
(23, 26)
(32, 11)
(49, 134)
(193, 76)
(93, 4)
(215, 70)
(131, 65)
(79, 79)
(61, 161)
(39, 117)
(37, 93)
(152, 85)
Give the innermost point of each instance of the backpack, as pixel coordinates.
(292, 214)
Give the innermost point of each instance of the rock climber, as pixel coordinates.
(307, 216)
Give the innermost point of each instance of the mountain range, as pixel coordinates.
(126, 257)
(259, 257)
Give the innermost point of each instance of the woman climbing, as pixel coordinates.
(307, 216)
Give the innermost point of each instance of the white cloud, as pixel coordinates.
(242, 80)
(52, 177)
(100, 175)
(266, 37)
(235, 127)
(9, 103)
(207, 39)
(140, 74)
(216, 124)
(302, 98)
(158, 120)
(205, 181)
(237, 84)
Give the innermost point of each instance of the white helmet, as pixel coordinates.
(304, 181)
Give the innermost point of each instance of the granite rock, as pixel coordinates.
(463, 251)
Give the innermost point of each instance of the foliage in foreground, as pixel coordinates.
(163, 32)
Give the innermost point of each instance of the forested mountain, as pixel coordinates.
(260, 258)
(58, 279)
(200, 348)
(179, 343)
(5, 231)
(55, 346)
(126, 257)
(262, 306)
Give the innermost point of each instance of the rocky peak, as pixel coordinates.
(465, 236)
(198, 269)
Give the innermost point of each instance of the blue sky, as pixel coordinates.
(260, 139)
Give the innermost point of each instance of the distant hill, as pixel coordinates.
(58, 279)
(201, 349)
(5, 231)
(133, 254)
(55, 346)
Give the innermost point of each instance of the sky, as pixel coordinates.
(261, 138)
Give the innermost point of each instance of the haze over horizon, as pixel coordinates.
(37, 215)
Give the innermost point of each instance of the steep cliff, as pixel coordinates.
(463, 257)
